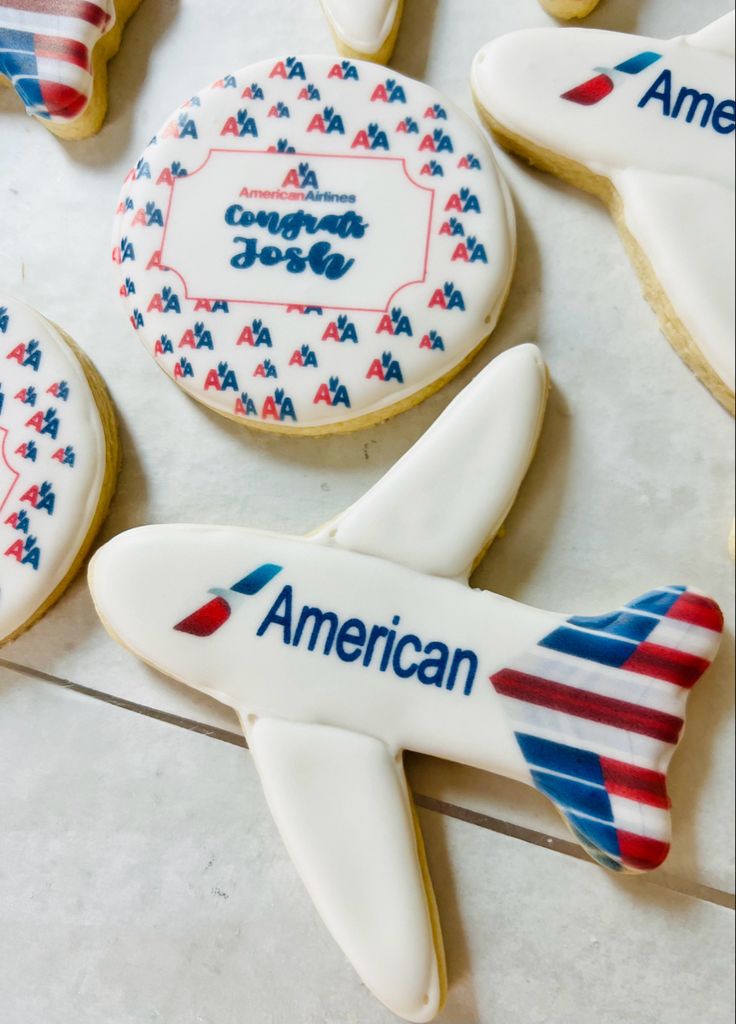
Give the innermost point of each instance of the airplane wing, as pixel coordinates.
(718, 37)
(364, 28)
(342, 805)
(442, 504)
(683, 222)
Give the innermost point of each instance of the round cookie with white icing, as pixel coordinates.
(648, 126)
(366, 30)
(341, 649)
(311, 245)
(569, 8)
(58, 463)
(54, 53)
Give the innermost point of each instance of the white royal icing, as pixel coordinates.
(303, 768)
(342, 649)
(657, 118)
(507, 410)
(46, 51)
(52, 461)
(364, 26)
(382, 253)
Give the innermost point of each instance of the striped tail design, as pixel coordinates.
(46, 52)
(602, 84)
(598, 707)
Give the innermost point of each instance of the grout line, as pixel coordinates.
(694, 890)
(213, 731)
(505, 828)
(671, 883)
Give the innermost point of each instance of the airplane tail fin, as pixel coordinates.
(598, 708)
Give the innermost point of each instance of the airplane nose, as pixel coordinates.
(111, 570)
(159, 589)
(519, 79)
(116, 558)
(507, 64)
(133, 580)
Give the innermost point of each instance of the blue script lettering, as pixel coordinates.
(319, 259)
(290, 225)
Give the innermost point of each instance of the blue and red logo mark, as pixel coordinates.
(603, 84)
(211, 616)
(301, 177)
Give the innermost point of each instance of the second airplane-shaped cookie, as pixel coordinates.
(648, 126)
(341, 649)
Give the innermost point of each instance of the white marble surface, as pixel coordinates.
(142, 880)
(632, 487)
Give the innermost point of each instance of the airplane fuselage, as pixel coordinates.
(333, 637)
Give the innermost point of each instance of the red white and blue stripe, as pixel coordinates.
(46, 52)
(598, 707)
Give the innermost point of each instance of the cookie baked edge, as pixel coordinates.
(568, 9)
(382, 56)
(574, 173)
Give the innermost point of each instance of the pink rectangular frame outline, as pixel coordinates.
(329, 156)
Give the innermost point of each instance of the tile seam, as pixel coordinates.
(694, 890)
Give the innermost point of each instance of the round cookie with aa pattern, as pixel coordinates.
(314, 244)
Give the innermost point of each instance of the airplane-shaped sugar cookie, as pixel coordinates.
(365, 30)
(341, 649)
(647, 125)
(54, 53)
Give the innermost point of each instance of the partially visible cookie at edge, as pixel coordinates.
(569, 8)
(54, 53)
(59, 459)
(647, 125)
(366, 30)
